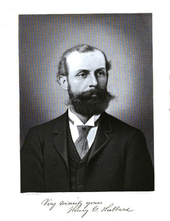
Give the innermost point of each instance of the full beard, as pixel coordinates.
(91, 102)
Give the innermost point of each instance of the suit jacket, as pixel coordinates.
(118, 161)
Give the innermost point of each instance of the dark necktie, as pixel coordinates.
(81, 143)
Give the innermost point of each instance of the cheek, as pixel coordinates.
(75, 86)
(103, 83)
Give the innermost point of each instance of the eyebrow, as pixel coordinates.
(88, 70)
(100, 69)
(82, 70)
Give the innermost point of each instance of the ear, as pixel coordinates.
(63, 82)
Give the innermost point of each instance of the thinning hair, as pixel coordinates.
(82, 48)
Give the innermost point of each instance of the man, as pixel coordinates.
(85, 149)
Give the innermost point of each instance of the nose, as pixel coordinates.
(93, 80)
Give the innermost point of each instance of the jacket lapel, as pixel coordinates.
(60, 139)
(104, 134)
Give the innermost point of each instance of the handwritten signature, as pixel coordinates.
(84, 208)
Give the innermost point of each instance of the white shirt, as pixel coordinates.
(77, 122)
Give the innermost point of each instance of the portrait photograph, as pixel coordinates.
(73, 68)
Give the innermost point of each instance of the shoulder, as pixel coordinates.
(50, 124)
(115, 121)
(125, 134)
(120, 127)
(48, 127)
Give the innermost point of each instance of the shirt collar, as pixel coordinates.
(76, 121)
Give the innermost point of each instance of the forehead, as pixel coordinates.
(88, 60)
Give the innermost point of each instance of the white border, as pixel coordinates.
(147, 206)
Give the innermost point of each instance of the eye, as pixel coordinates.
(101, 73)
(82, 74)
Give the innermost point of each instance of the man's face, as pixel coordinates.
(87, 71)
(86, 83)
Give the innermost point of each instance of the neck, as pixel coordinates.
(84, 119)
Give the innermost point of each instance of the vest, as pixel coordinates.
(77, 166)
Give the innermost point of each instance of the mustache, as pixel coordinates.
(94, 93)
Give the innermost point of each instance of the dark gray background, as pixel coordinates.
(125, 38)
